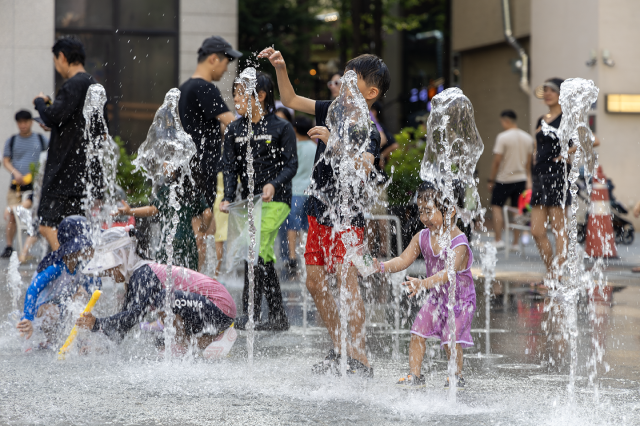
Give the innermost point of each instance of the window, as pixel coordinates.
(132, 50)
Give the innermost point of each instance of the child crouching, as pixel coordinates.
(431, 321)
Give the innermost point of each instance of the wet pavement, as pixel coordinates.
(523, 381)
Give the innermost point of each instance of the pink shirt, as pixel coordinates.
(194, 282)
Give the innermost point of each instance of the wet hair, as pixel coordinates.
(428, 191)
(203, 55)
(71, 47)
(302, 125)
(510, 114)
(23, 115)
(373, 71)
(264, 83)
(286, 113)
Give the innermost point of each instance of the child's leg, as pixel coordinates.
(219, 254)
(417, 348)
(356, 348)
(458, 357)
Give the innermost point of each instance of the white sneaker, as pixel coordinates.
(514, 247)
(221, 347)
(499, 245)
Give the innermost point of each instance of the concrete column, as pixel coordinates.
(200, 19)
(26, 37)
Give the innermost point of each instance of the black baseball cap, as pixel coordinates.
(217, 44)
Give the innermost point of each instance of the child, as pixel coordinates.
(325, 251)
(275, 163)
(297, 220)
(57, 281)
(192, 209)
(203, 307)
(432, 318)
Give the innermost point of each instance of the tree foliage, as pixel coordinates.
(134, 183)
(406, 161)
(287, 25)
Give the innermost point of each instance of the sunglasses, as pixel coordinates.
(332, 83)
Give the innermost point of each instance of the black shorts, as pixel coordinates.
(53, 208)
(548, 190)
(502, 191)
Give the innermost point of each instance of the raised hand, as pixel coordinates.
(274, 56)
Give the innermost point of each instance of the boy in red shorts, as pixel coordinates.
(325, 251)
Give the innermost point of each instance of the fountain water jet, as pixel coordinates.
(164, 157)
(453, 148)
(577, 95)
(350, 125)
(248, 81)
(102, 157)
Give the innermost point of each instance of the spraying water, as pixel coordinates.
(453, 149)
(489, 261)
(102, 157)
(247, 80)
(164, 157)
(350, 125)
(14, 280)
(576, 97)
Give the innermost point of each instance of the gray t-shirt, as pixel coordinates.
(516, 147)
(25, 151)
(306, 155)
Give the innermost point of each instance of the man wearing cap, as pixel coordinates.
(204, 114)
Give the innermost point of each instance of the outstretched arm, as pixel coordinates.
(405, 260)
(287, 93)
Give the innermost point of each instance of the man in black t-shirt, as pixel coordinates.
(325, 251)
(204, 116)
(66, 174)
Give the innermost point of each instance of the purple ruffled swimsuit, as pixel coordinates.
(431, 321)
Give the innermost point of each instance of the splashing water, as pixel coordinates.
(350, 125)
(576, 97)
(14, 280)
(247, 80)
(453, 148)
(164, 157)
(489, 260)
(102, 157)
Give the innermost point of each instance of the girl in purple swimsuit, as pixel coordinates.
(432, 318)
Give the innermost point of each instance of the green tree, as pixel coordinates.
(288, 25)
(133, 183)
(404, 165)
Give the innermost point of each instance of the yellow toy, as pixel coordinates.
(74, 331)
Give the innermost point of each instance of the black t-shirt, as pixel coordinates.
(200, 104)
(547, 148)
(66, 171)
(323, 179)
(275, 157)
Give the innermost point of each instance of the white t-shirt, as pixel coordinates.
(516, 147)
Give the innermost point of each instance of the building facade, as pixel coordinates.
(591, 39)
(137, 50)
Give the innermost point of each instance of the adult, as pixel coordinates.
(205, 116)
(548, 196)
(20, 152)
(510, 172)
(66, 173)
(334, 85)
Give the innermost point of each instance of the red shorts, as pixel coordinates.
(325, 247)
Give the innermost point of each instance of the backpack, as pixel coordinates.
(13, 140)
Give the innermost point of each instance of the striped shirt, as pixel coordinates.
(25, 151)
